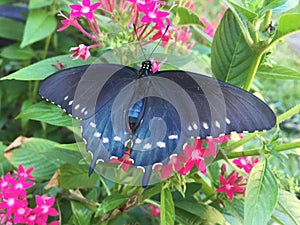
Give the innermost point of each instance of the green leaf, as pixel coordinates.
(231, 57)
(39, 25)
(261, 195)
(6, 30)
(76, 177)
(110, 202)
(288, 24)
(44, 68)
(236, 209)
(48, 113)
(15, 52)
(192, 212)
(287, 210)
(5, 166)
(278, 72)
(32, 152)
(278, 6)
(81, 214)
(167, 210)
(187, 17)
(33, 4)
(249, 15)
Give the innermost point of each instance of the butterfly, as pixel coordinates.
(152, 114)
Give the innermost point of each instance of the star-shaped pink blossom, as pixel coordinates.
(85, 9)
(81, 51)
(231, 185)
(125, 161)
(175, 164)
(243, 162)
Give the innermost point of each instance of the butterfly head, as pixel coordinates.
(146, 68)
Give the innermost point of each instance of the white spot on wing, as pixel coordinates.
(140, 167)
(228, 121)
(217, 124)
(70, 102)
(85, 142)
(147, 146)
(92, 124)
(117, 138)
(66, 98)
(195, 126)
(161, 144)
(76, 106)
(82, 110)
(86, 112)
(173, 136)
(105, 140)
(205, 125)
(138, 141)
(190, 128)
(97, 134)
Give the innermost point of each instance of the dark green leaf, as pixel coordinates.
(288, 23)
(48, 113)
(15, 52)
(33, 4)
(76, 177)
(187, 17)
(261, 195)
(278, 72)
(110, 202)
(32, 152)
(81, 214)
(198, 212)
(5, 166)
(44, 68)
(6, 30)
(231, 57)
(39, 25)
(167, 210)
(287, 210)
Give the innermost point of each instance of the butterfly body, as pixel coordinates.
(153, 114)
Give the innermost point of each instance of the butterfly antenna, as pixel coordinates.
(137, 36)
(160, 40)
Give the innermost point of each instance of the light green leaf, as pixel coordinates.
(33, 4)
(278, 6)
(39, 25)
(192, 212)
(287, 210)
(110, 202)
(231, 57)
(288, 24)
(15, 52)
(167, 210)
(6, 30)
(76, 177)
(44, 68)
(236, 209)
(81, 214)
(32, 152)
(261, 195)
(46, 112)
(277, 72)
(187, 17)
(249, 15)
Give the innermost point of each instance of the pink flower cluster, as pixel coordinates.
(13, 201)
(235, 183)
(154, 210)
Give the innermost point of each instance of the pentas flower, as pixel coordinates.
(196, 155)
(13, 200)
(245, 163)
(209, 30)
(233, 184)
(154, 210)
(175, 163)
(183, 37)
(162, 33)
(81, 51)
(85, 9)
(156, 65)
(125, 161)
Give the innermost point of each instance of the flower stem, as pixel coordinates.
(289, 113)
(253, 70)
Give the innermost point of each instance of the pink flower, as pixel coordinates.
(209, 30)
(153, 14)
(175, 164)
(81, 51)
(154, 210)
(72, 21)
(244, 163)
(156, 66)
(232, 185)
(84, 9)
(22, 173)
(162, 33)
(196, 155)
(125, 161)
